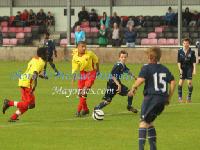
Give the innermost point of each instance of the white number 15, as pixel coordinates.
(161, 77)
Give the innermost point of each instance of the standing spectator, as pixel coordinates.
(79, 35)
(105, 20)
(130, 22)
(187, 16)
(32, 18)
(41, 17)
(116, 35)
(103, 40)
(140, 22)
(169, 17)
(17, 18)
(115, 19)
(93, 18)
(130, 36)
(187, 66)
(50, 21)
(24, 17)
(194, 19)
(83, 15)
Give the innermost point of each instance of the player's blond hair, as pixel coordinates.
(154, 53)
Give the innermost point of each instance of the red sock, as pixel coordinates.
(11, 103)
(85, 108)
(80, 105)
(14, 116)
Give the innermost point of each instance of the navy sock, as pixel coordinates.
(180, 91)
(130, 100)
(152, 138)
(142, 138)
(190, 89)
(101, 105)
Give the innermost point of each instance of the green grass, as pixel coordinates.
(52, 125)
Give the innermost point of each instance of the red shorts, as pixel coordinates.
(27, 96)
(86, 79)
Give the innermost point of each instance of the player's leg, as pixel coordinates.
(81, 84)
(109, 94)
(124, 92)
(45, 69)
(180, 85)
(53, 66)
(190, 89)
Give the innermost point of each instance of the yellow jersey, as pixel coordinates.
(84, 63)
(35, 64)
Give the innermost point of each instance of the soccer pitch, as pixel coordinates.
(52, 125)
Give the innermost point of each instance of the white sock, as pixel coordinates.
(15, 104)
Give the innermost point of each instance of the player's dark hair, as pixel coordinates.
(82, 42)
(42, 52)
(186, 40)
(123, 52)
(154, 53)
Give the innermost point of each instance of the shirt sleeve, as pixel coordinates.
(170, 77)
(193, 57)
(95, 59)
(126, 69)
(143, 73)
(75, 65)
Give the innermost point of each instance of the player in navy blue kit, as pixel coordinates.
(156, 78)
(114, 85)
(187, 66)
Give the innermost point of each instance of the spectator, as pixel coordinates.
(41, 17)
(103, 40)
(116, 35)
(130, 36)
(130, 22)
(17, 18)
(83, 15)
(79, 35)
(105, 20)
(31, 18)
(50, 21)
(24, 17)
(93, 18)
(169, 17)
(140, 22)
(187, 16)
(194, 19)
(115, 19)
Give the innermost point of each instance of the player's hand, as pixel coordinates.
(132, 92)
(32, 91)
(98, 73)
(119, 88)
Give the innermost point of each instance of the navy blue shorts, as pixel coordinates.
(187, 74)
(152, 106)
(111, 91)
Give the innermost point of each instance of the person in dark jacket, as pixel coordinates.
(130, 36)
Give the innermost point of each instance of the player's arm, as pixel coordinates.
(75, 67)
(179, 64)
(34, 78)
(171, 90)
(137, 83)
(117, 83)
(194, 64)
(95, 60)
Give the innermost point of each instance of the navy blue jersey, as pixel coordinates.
(156, 77)
(186, 60)
(118, 69)
(50, 45)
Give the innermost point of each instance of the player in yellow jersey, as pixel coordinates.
(27, 83)
(86, 62)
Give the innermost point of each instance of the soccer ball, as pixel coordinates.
(98, 114)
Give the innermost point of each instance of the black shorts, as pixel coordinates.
(187, 73)
(111, 91)
(152, 106)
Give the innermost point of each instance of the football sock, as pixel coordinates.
(84, 103)
(101, 105)
(130, 100)
(14, 116)
(190, 89)
(152, 138)
(180, 91)
(53, 66)
(80, 105)
(11, 103)
(142, 138)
